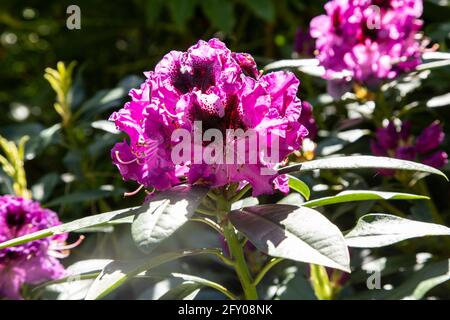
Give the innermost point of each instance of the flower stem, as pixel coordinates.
(240, 264)
(236, 250)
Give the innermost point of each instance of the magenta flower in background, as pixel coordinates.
(223, 90)
(33, 262)
(397, 141)
(368, 40)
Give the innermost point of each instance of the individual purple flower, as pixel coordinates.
(223, 91)
(33, 262)
(395, 140)
(368, 41)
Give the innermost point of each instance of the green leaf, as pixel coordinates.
(106, 126)
(291, 232)
(439, 101)
(435, 55)
(108, 217)
(246, 202)
(360, 162)
(262, 8)
(185, 291)
(40, 141)
(117, 272)
(433, 65)
(106, 99)
(311, 67)
(220, 14)
(293, 198)
(178, 205)
(361, 195)
(292, 63)
(378, 230)
(103, 99)
(299, 186)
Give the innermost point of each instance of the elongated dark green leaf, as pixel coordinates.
(185, 291)
(179, 204)
(361, 195)
(378, 230)
(117, 272)
(99, 219)
(299, 186)
(359, 162)
(291, 232)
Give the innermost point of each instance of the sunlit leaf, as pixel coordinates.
(360, 162)
(299, 186)
(178, 205)
(291, 232)
(378, 230)
(361, 195)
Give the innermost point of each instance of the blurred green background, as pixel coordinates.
(69, 169)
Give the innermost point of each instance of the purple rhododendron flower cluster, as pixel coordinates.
(368, 40)
(32, 262)
(396, 140)
(223, 90)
